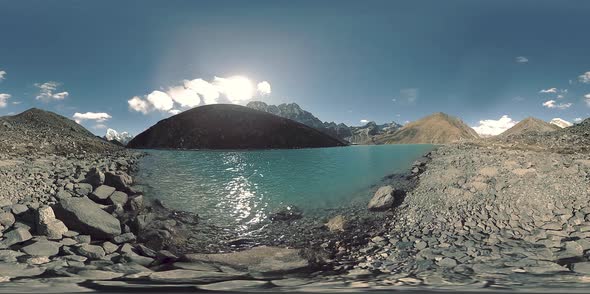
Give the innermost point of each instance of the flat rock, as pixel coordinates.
(16, 236)
(383, 199)
(98, 275)
(101, 193)
(85, 216)
(91, 251)
(189, 276)
(42, 248)
(18, 270)
(581, 268)
(6, 219)
(118, 197)
(261, 259)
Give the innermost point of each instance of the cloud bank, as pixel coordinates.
(2, 75)
(521, 59)
(95, 116)
(553, 104)
(491, 127)
(192, 93)
(585, 78)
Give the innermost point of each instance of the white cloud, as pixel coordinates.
(160, 100)
(552, 104)
(551, 90)
(577, 119)
(364, 121)
(184, 96)
(562, 123)
(139, 105)
(99, 126)
(491, 127)
(263, 88)
(3, 98)
(205, 89)
(585, 78)
(2, 75)
(192, 93)
(47, 91)
(95, 116)
(522, 59)
(587, 99)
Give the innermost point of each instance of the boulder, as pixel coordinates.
(336, 224)
(121, 181)
(6, 219)
(18, 209)
(95, 177)
(135, 203)
(48, 225)
(87, 217)
(119, 198)
(83, 189)
(16, 236)
(101, 193)
(383, 199)
(287, 213)
(581, 268)
(124, 238)
(91, 251)
(42, 248)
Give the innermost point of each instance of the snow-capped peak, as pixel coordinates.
(122, 137)
(561, 122)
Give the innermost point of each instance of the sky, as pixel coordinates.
(128, 64)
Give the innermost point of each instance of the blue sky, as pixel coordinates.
(344, 61)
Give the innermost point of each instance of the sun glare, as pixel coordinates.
(236, 88)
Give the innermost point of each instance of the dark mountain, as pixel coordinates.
(226, 126)
(39, 131)
(438, 128)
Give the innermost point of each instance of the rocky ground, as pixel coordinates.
(484, 215)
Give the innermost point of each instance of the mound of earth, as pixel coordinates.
(438, 128)
(226, 126)
(38, 131)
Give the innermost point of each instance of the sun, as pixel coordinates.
(236, 88)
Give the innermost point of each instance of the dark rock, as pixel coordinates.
(95, 177)
(91, 251)
(287, 213)
(85, 216)
(16, 236)
(101, 194)
(124, 238)
(42, 248)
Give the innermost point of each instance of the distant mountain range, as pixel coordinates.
(355, 135)
(561, 123)
(228, 126)
(117, 138)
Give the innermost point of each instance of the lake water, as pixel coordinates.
(240, 188)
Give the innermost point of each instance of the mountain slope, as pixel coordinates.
(227, 126)
(366, 134)
(294, 112)
(38, 131)
(530, 125)
(438, 128)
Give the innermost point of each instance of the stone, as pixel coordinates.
(135, 203)
(91, 251)
(286, 213)
(165, 256)
(42, 248)
(83, 189)
(16, 236)
(189, 276)
(9, 255)
(262, 259)
(18, 209)
(383, 199)
(235, 285)
(83, 239)
(109, 247)
(124, 238)
(118, 198)
(336, 224)
(101, 194)
(95, 177)
(5, 202)
(99, 275)
(447, 262)
(120, 181)
(581, 268)
(7, 219)
(48, 225)
(19, 270)
(86, 217)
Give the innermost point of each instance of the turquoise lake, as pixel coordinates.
(240, 188)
